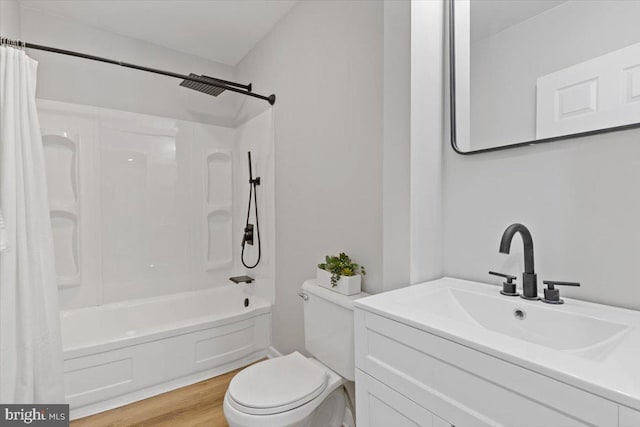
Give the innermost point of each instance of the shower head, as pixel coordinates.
(202, 87)
(212, 89)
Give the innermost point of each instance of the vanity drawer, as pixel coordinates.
(467, 387)
(629, 417)
(380, 406)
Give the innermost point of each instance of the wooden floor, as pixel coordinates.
(199, 404)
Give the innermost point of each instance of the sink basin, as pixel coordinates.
(535, 323)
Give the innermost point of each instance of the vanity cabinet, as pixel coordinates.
(629, 417)
(406, 376)
(386, 407)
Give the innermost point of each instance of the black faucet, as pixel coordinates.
(529, 278)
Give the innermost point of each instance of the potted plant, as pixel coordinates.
(341, 274)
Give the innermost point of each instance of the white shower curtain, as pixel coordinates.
(30, 344)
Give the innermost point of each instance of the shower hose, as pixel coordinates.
(253, 196)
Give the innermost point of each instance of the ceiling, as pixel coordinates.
(489, 17)
(219, 30)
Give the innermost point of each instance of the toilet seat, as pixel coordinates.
(277, 385)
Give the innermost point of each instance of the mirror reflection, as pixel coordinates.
(534, 70)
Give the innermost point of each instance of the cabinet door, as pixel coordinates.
(380, 406)
(628, 417)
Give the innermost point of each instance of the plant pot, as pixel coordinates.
(347, 285)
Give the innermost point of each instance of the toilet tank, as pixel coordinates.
(328, 327)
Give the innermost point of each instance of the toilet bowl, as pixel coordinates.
(299, 391)
(288, 391)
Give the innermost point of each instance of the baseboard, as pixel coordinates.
(273, 352)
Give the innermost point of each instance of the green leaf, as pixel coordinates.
(341, 265)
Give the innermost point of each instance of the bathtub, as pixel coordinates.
(119, 353)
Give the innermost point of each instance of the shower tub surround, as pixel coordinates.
(147, 214)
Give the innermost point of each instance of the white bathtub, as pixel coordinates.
(122, 352)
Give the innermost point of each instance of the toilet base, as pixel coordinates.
(331, 411)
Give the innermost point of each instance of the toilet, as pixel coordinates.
(299, 391)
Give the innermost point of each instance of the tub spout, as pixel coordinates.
(241, 279)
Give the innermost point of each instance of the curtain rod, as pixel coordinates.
(271, 99)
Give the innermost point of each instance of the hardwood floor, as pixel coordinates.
(199, 404)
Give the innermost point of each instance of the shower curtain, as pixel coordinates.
(30, 343)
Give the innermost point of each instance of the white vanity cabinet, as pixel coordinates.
(386, 407)
(628, 417)
(459, 351)
(406, 376)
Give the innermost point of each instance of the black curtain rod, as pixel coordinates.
(271, 99)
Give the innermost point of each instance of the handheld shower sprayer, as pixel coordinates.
(248, 236)
(251, 180)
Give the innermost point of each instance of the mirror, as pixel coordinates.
(531, 71)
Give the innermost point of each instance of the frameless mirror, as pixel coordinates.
(530, 71)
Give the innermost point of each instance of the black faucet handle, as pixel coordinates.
(509, 277)
(552, 283)
(508, 287)
(551, 294)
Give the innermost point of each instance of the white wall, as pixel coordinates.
(324, 62)
(80, 81)
(10, 19)
(412, 148)
(396, 200)
(505, 66)
(427, 22)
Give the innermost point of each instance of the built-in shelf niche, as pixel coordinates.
(65, 237)
(62, 172)
(219, 209)
(61, 160)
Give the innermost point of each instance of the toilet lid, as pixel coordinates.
(277, 385)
